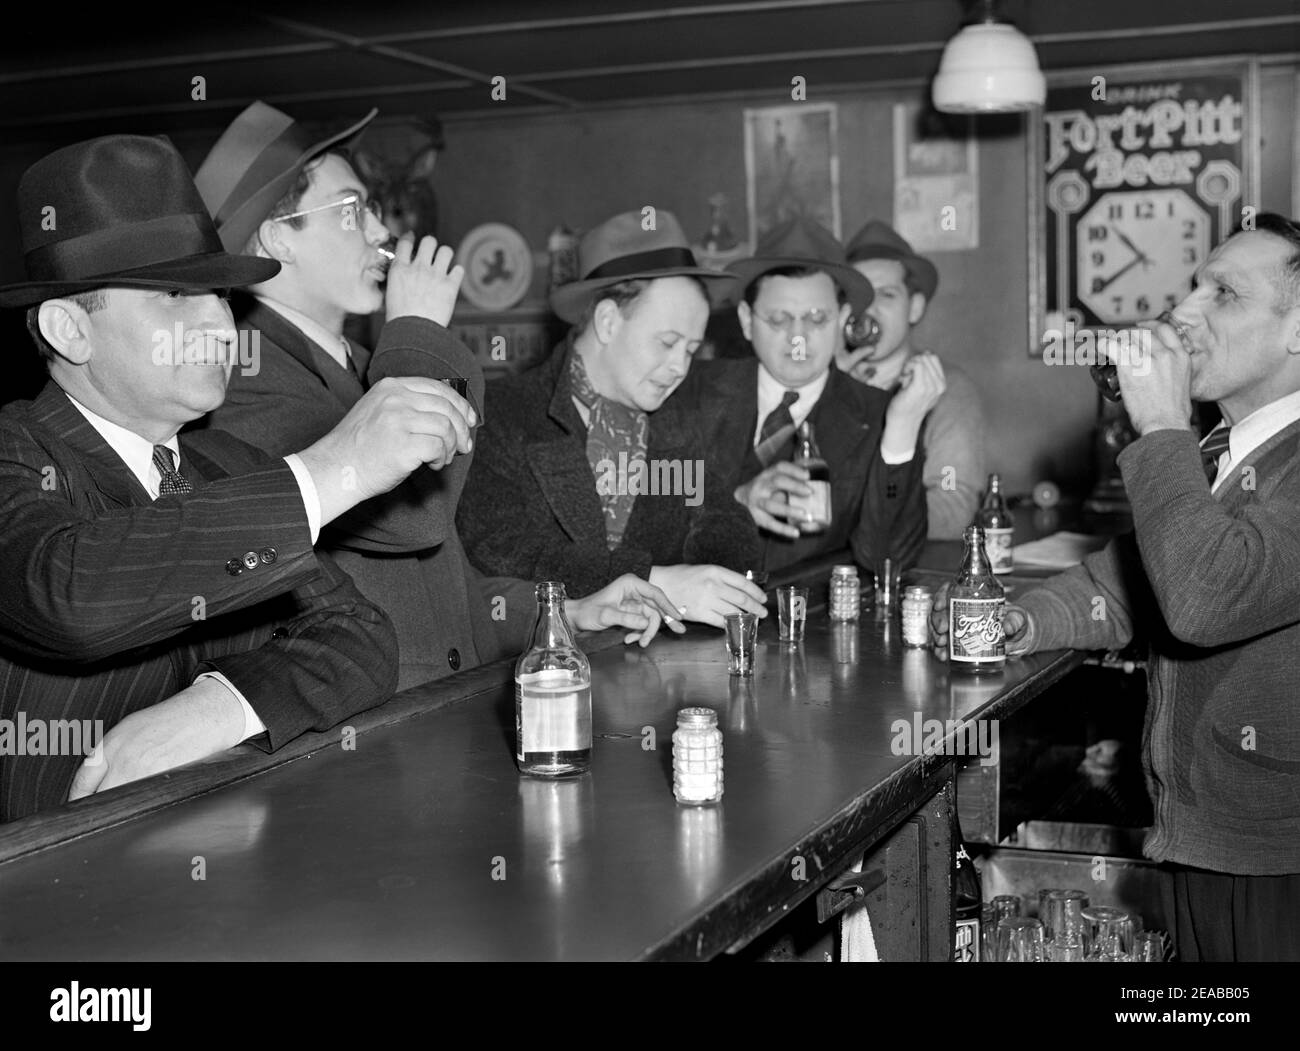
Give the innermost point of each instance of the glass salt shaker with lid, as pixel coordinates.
(697, 757)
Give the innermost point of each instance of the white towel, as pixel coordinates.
(857, 940)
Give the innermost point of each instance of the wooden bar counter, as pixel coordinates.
(423, 842)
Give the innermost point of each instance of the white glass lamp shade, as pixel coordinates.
(989, 67)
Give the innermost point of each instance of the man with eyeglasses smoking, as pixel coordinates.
(796, 295)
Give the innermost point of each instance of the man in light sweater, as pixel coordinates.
(953, 431)
(1211, 577)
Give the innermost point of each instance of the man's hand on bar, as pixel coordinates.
(708, 593)
(1015, 626)
(627, 602)
(200, 721)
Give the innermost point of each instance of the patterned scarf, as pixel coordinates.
(616, 436)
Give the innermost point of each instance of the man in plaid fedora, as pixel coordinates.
(796, 295)
(278, 192)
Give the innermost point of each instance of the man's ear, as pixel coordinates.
(66, 327)
(1291, 331)
(271, 241)
(745, 315)
(605, 319)
(916, 308)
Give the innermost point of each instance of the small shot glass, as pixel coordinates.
(742, 634)
(792, 612)
(888, 579)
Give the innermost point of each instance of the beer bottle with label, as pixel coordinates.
(998, 526)
(976, 604)
(552, 695)
(815, 510)
(968, 899)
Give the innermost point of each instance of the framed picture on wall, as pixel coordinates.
(792, 166)
(1136, 173)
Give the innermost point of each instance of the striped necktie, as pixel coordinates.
(777, 430)
(1214, 446)
(172, 480)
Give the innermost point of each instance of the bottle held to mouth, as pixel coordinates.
(814, 510)
(861, 330)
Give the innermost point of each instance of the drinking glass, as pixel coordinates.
(792, 612)
(1066, 928)
(888, 576)
(1112, 934)
(742, 633)
(1020, 940)
(1006, 905)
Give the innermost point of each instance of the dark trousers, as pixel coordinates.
(1219, 917)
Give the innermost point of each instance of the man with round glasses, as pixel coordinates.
(796, 295)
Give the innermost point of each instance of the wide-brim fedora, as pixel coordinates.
(255, 163)
(622, 249)
(879, 240)
(121, 210)
(803, 244)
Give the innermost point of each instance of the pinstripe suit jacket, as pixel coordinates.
(102, 587)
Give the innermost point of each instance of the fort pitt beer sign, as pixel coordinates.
(1144, 170)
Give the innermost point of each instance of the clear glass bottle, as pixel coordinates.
(697, 757)
(998, 525)
(552, 694)
(815, 510)
(845, 593)
(976, 605)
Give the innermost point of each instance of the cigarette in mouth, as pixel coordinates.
(386, 254)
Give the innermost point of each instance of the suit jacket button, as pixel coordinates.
(280, 633)
(250, 559)
(453, 658)
(234, 567)
(268, 555)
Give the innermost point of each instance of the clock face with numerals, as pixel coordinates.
(1137, 252)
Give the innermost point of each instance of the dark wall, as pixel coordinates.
(578, 169)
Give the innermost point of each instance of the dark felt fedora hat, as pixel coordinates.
(119, 210)
(254, 164)
(620, 249)
(879, 240)
(800, 242)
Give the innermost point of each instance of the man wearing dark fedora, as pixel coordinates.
(162, 586)
(796, 295)
(586, 466)
(954, 429)
(278, 192)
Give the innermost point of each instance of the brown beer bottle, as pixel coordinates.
(998, 525)
(976, 604)
(815, 510)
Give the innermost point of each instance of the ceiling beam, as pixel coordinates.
(363, 45)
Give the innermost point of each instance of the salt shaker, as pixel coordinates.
(697, 757)
(917, 601)
(846, 593)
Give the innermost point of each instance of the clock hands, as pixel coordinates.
(1120, 273)
(1142, 256)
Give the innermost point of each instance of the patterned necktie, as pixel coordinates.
(172, 480)
(1214, 446)
(777, 430)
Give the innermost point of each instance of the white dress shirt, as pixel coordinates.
(1252, 432)
(137, 453)
(771, 391)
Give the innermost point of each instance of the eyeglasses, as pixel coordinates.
(348, 203)
(783, 320)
